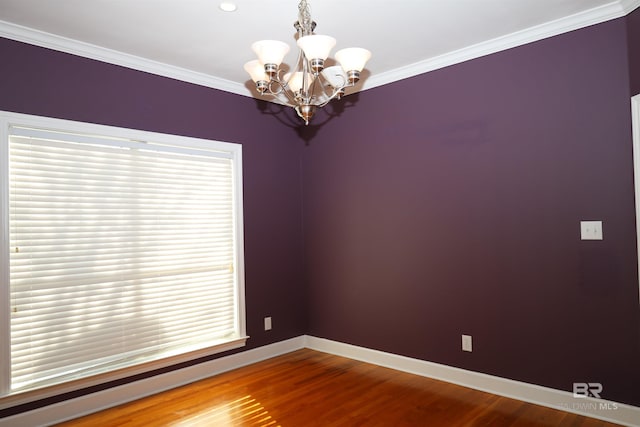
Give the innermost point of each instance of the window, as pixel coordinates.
(120, 248)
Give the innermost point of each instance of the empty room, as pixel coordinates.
(319, 213)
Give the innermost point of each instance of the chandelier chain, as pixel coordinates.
(304, 18)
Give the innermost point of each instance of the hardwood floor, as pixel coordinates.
(307, 388)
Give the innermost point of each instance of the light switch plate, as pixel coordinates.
(467, 343)
(591, 230)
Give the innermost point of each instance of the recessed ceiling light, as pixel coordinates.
(228, 6)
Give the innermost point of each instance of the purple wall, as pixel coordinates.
(633, 35)
(449, 204)
(441, 205)
(43, 82)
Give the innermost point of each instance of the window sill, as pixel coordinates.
(21, 398)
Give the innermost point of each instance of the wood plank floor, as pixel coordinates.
(307, 388)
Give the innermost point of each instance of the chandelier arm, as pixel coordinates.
(299, 63)
(336, 93)
(312, 89)
(303, 97)
(307, 86)
(275, 81)
(283, 90)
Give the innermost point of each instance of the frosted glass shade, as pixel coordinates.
(335, 76)
(256, 71)
(316, 46)
(295, 80)
(353, 58)
(270, 51)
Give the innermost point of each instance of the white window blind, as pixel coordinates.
(120, 252)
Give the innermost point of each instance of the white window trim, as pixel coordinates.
(8, 119)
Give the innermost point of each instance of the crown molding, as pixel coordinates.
(629, 6)
(613, 10)
(87, 50)
(593, 16)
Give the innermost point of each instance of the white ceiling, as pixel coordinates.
(195, 41)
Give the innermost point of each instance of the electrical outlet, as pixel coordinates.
(267, 323)
(466, 343)
(591, 230)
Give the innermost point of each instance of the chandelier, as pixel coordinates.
(310, 85)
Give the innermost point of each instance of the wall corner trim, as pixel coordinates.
(623, 414)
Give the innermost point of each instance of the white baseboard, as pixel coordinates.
(595, 408)
(98, 401)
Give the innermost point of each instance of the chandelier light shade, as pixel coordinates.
(353, 60)
(297, 80)
(309, 85)
(334, 75)
(316, 48)
(270, 51)
(257, 73)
